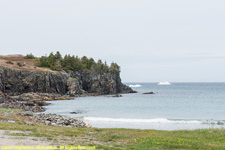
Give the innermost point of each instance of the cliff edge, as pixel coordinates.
(16, 82)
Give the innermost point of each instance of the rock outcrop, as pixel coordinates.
(106, 83)
(149, 93)
(16, 82)
(74, 87)
(19, 81)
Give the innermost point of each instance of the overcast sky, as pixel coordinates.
(152, 40)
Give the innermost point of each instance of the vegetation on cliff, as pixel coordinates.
(74, 63)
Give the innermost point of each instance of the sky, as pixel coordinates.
(152, 40)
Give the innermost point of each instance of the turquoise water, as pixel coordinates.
(172, 107)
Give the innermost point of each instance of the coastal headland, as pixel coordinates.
(26, 86)
(32, 81)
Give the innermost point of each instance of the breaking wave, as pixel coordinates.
(157, 120)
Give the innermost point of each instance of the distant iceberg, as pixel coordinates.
(164, 83)
(137, 85)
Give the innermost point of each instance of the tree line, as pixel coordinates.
(74, 63)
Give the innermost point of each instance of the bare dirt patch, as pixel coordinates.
(8, 140)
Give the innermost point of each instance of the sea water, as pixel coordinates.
(172, 107)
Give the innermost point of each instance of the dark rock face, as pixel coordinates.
(18, 81)
(106, 83)
(74, 87)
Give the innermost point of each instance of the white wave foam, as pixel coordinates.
(137, 85)
(157, 120)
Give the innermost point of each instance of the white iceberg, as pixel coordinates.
(137, 85)
(164, 83)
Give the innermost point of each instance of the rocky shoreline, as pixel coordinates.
(32, 104)
(53, 120)
(35, 101)
(31, 111)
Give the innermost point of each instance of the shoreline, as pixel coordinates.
(45, 135)
(33, 104)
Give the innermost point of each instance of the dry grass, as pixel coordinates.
(30, 63)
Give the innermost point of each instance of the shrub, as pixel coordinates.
(20, 64)
(9, 62)
(29, 56)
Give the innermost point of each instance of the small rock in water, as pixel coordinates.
(73, 112)
(149, 93)
(118, 95)
(76, 112)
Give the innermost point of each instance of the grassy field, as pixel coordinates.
(118, 139)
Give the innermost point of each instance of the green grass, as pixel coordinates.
(120, 139)
(10, 111)
(207, 139)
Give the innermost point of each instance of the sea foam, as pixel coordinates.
(156, 120)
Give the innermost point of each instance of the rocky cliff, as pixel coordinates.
(20, 81)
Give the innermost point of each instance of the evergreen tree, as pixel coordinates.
(58, 56)
(72, 63)
(43, 62)
(91, 62)
(114, 68)
(105, 68)
(84, 61)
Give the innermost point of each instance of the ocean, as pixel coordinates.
(173, 107)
